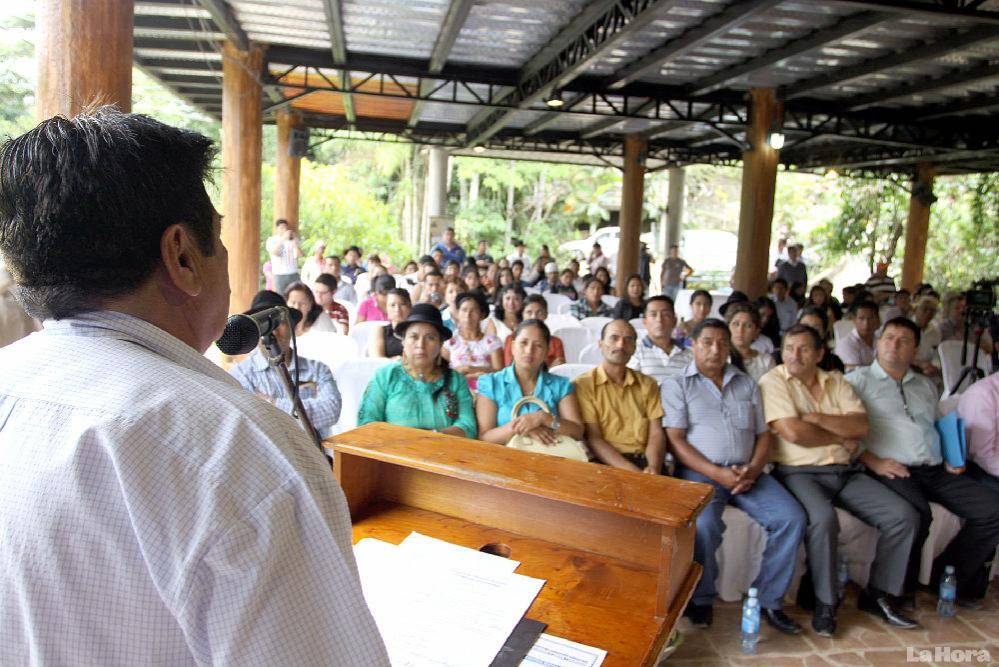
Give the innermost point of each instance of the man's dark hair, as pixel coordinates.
(427, 259)
(905, 323)
(799, 329)
(402, 294)
(327, 279)
(661, 298)
(709, 323)
(433, 273)
(818, 312)
(452, 262)
(864, 305)
(603, 329)
(84, 203)
(383, 284)
(517, 262)
(536, 299)
(780, 281)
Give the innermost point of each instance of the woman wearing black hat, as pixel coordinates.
(471, 351)
(420, 390)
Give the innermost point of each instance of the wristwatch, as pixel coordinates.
(555, 422)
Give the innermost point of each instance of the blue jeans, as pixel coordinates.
(672, 290)
(768, 504)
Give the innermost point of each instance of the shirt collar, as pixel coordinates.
(122, 326)
(600, 376)
(877, 371)
(727, 375)
(821, 376)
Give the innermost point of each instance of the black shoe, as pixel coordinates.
(824, 619)
(778, 619)
(906, 602)
(700, 615)
(880, 604)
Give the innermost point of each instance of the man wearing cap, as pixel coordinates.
(153, 512)
(316, 386)
(550, 282)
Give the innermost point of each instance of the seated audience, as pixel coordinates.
(818, 297)
(902, 451)
(901, 306)
(314, 318)
(313, 264)
(833, 301)
(450, 250)
(470, 351)
(744, 327)
(344, 288)
(316, 386)
(923, 312)
(527, 375)
(656, 354)
(857, 348)
(420, 390)
(325, 288)
(517, 271)
(452, 269)
(952, 324)
(603, 275)
(431, 290)
(425, 266)
(536, 308)
(509, 311)
(632, 306)
(449, 310)
(567, 285)
(979, 408)
(700, 308)
(784, 304)
(550, 282)
(769, 339)
(816, 318)
(481, 256)
(473, 284)
(716, 431)
(372, 309)
(819, 420)
(621, 408)
(389, 343)
(592, 304)
(504, 279)
(353, 268)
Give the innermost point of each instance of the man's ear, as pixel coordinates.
(182, 260)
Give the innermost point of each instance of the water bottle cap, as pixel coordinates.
(753, 592)
(949, 569)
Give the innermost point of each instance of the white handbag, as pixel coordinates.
(563, 446)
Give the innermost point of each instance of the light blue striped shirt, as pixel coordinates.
(153, 512)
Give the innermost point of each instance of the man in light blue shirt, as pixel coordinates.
(153, 512)
(902, 451)
(716, 430)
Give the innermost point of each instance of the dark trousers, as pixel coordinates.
(983, 477)
(972, 551)
(819, 489)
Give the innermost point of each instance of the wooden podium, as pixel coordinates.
(615, 547)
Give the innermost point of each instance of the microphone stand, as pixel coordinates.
(275, 357)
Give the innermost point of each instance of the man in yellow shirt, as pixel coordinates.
(819, 420)
(621, 408)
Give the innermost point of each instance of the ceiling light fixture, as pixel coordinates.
(478, 149)
(555, 100)
(776, 140)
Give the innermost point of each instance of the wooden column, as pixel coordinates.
(917, 227)
(759, 179)
(83, 53)
(632, 197)
(241, 154)
(288, 173)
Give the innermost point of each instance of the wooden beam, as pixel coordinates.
(226, 21)
(454, 19)
(847, 27)
(704, 31)
(917, 227)
(83, 55)
(287, 175)
(759, 179)
(338, 46)
(632, 199)
(241, 154)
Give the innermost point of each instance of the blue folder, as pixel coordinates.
(953, 441)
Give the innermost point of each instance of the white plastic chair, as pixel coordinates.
(610, 299)
(558, 321)
(532, 290)
(331, 348)
(682, 304)
(950, 364)
(563, 308)
(571, 371)
(842, 329)
(362, 332)
(555, 301)
(362, 286)
(574, 339)
(351, 309)
(638, 323)
(352, 379)
(595, 324)
(591, 354)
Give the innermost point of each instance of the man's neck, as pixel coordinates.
(808, 378)
(663, 342)
(716, 375)
(893, 372)
(615, 372)
(867, 338)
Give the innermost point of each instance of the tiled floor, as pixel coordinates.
(862, 639)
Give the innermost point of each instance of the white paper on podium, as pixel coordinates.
(458, 613)
(551, 651)
(443, 553)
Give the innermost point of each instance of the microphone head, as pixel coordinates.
(240, 335)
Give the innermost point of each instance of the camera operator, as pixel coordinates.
(954, 324)
(284, 251)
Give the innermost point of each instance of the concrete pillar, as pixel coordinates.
(288, 173)
(436, 204)
(632, 197)
(674, 208)
(917, 227)
(241, 153)
(83, 53)
(759, 179)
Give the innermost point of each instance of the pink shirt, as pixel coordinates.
(979, 408)
(370, 311)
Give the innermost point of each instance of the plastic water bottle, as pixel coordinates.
(946, 605)
(842, 578)
(750, 622)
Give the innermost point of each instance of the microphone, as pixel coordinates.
(242, 332)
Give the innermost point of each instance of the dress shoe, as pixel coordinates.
(824, 619)
(880, 604)
(700, 615)
(778, 619)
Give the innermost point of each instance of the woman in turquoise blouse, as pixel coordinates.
(527, 376)
(420, 390)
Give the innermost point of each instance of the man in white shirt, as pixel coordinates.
(597, 259)
(858, 347)
(284, 251)
(520, 253)
(656, 354)
(153, 511)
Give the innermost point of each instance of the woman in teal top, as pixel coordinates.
(420, 390)
(527, 376)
